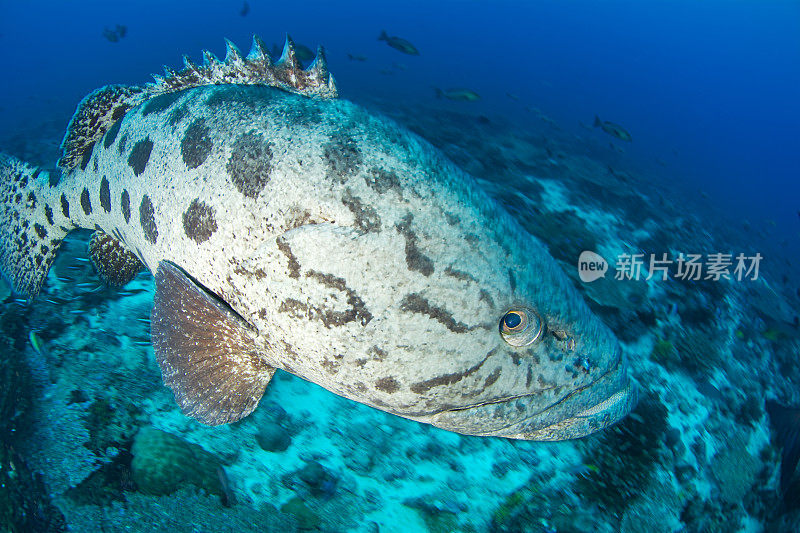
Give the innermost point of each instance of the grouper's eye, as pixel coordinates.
(521, 326)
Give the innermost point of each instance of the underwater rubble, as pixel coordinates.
(92, 441)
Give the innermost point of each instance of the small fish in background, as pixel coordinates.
(114, 35)
(245, 10)
(399, 66)
(37, 343)
(513, 96)
(458, 95)
(399, 44)
(303, 53)
(615, 130)
(227, 499)
(39, 360)
(355, 57)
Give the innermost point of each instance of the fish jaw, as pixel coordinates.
(577, 414)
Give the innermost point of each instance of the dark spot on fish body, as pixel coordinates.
(105, 195)
(382, 181)
(484, 296)
(31, 204)
(459, 275)
(54, 177)
(159, 103)
(196, 144)
(199, 223)
(40, 231)
(125, 205)
(529, 377)
(380, 354)
(366, 218)
(293, 265)
(414, 303)
(111, 134)
(294, 308)
(250, 164)
(147, 220)
(48, 213)
(86, 202)
(492, 378)
(415, 259)
(86, 155)
(290, 351)
(120, 111)
(122, 143)
(64, 206)
(140, 155)
(388, 385)
(331, 367)
(512, 280)
(448, 379)
(177, 115)
(342, 157)
(357, 310)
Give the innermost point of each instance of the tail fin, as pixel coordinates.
(786, 423)
(439, 92)
(32, 223)
(597, 122)
(383, 36)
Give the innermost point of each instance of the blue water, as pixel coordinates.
(710, 88)
(709, 92)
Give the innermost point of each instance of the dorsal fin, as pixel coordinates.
(254, 69)
(100, 109)
(94, 116)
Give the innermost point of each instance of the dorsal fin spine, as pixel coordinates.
(288, 58)
(258, 51)
(232, 54)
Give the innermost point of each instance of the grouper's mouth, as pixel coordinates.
(578, 413)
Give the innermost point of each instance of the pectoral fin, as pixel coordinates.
(207, 353)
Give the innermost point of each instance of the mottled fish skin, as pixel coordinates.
(366, 261)
(319, 239)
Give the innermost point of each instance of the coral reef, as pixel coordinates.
(162, 463)
(627, 456)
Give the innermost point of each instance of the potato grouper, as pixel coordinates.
(288, 229)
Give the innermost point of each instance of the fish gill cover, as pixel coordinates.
(660, 139)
